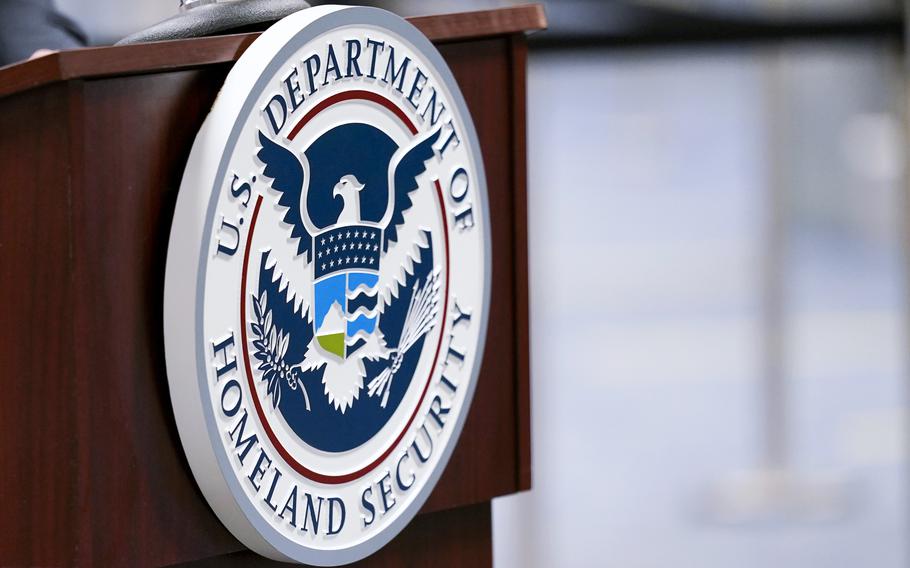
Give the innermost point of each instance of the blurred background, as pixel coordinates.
(719, 307)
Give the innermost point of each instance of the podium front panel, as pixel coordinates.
(94, 471)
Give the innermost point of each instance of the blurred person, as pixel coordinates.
(31, 28)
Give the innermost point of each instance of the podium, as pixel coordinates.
(93, 144)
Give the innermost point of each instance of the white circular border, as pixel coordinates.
(185, 275)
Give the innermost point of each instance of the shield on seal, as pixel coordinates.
(349, 176)
(344, 292)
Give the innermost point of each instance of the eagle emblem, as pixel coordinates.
(339, 315)
(328, 284)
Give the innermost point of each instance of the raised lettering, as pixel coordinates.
(385, 492)
(259, 470)
(312, 513)
(392, 74)
(417, 87)
(291, 505)
(333, 527)
(331, 65)
(240, 440)
(421, 457)
(438, 412)
(229, 360)
(293, 90)
(368, 507)
(275, 123)
(353, 67)
(372, 44)
(401, 484)
(229, 250)
(312, 69)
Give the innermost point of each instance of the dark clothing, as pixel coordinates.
(29, 25)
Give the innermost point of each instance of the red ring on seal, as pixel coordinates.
(288, 458)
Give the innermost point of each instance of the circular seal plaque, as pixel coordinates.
(327, 285)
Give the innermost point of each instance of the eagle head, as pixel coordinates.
(348, 188)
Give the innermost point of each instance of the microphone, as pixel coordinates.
(200, 18)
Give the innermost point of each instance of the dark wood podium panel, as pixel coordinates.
(455, 538)
(91, 155)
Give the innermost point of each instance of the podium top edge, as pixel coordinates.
(187, 53)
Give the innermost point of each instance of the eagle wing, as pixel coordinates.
(402, 240)
(286, 173)
(403, 182)
(288, 179)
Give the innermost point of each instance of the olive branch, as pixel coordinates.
(271, 345)
(419, 320)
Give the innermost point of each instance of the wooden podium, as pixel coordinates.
(93, 144)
